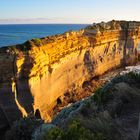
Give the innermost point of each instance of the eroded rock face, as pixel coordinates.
(39, 74)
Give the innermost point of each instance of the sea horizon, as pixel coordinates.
(45, 23)
(12, 34)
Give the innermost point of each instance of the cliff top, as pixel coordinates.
(115, 25)
(94, 29)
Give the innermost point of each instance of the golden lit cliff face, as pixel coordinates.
(46, 70)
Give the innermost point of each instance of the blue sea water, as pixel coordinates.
(17, 34)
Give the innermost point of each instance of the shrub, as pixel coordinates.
(98, 96)
(130, 78)
(134, 76)
(42, 130)
(75, 131)
(13, 49)
(37, 41)
(102, 124)
(23, 129)
(26, 46)
(54, 134)
(102, 95)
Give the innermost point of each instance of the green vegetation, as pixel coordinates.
(98, 118)
(130, 78)
(26, 46)
(105, 93)
(37, 41)
(99, 97)
(23, 129)
(53, 134)
(13, 49)
(74, 132)
(134, 76)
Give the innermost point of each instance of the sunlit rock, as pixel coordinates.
(50, 70)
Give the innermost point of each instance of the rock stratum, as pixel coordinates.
(41, 74)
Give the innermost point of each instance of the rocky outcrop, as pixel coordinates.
(46, 72)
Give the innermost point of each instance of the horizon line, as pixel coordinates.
(43, 23)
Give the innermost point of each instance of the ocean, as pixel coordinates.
(17, 34)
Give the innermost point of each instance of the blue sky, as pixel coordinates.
(67, 11)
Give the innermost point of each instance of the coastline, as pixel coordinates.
(53, 71)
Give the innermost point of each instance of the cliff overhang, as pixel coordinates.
(43, 73)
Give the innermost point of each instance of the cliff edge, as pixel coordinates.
(39, 75)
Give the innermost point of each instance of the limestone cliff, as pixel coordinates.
(42, 73)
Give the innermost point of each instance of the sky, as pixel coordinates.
(67, 11)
